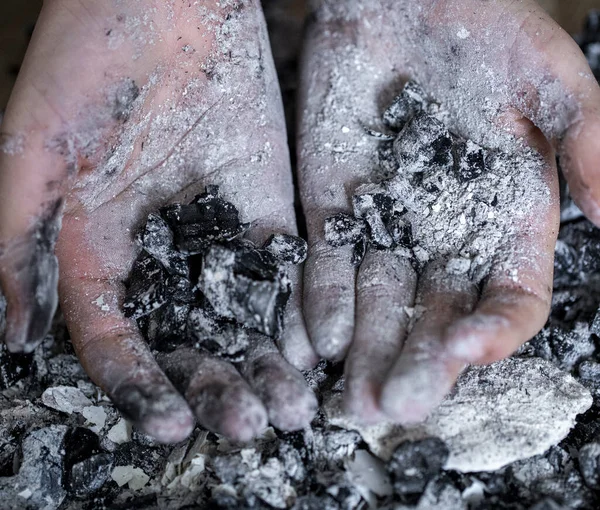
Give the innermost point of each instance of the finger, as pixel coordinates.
(222, 401)
(336, 156)
(565, 105)
(329, 279)
(109, 346)
(294, 343)
(516, 297)
(290, 404)
(385, 297)
(424, 373)
(118, 360)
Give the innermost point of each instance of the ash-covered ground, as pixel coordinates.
(500, 440)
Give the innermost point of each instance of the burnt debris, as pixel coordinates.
(198, 282)
(419, 145)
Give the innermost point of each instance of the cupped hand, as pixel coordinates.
(119, 109)
(502, 71)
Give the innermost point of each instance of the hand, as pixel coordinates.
(119, 109)
(500, 68)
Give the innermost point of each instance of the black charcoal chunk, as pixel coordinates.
(547, 504)
(145, 288)
(359, 252)
(424, 143)
(565, 349)
(388, 164)
(589, 465)
(208, 219)
(410, 101)
(287, 249)
(415, 463)
(314, 502)
(400, 231)
(219, 337)
(157, 240)
(13, 367)
(376, 209)
(41, 474)
(469, 160)
(232, 283)
(344, 229)
(89, 475)
(167, 327)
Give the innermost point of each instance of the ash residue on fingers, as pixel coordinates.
(32, 281)
(124, 95)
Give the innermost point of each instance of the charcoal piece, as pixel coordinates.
(207, 220)
(409, 102)
(424, 143)
(415, 463)
(179, 289)
(359, 252)
(547, 504)
(167, 327)
(388, 164)
(13, 367)
(376, 210)
(595, 327)
(252, 302)
(400, 231)
(564, 348)
(141, 304)
(145, 289)
(343, 229)
(287, 249)
(41, 473)
(315, 502)
(469, 160)
(80, 444)
(89, 475)
(589, 375)
(589, 465)
(218, 337)
(157, 240)
(254, 263)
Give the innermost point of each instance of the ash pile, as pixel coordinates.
(532, 440)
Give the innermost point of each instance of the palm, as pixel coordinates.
(494, 77)
(208, 112)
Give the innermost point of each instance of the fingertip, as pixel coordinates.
(244, 422)
(361, 401)
(296, 348)
(157, 410)
(329, 300)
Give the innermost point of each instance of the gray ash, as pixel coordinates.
(198, 281)
(435, 194)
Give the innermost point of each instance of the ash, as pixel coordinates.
(436, 194)
(64, 446)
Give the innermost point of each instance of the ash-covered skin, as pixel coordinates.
(413, 324)
(177, 97)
